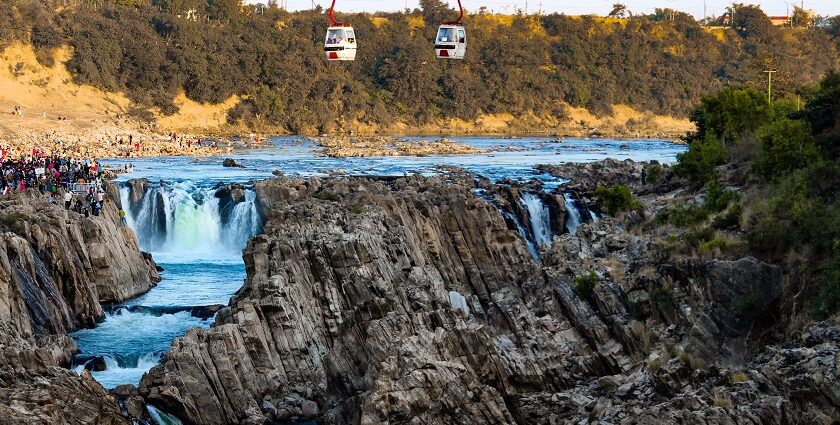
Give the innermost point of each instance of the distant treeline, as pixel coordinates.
(515, 64)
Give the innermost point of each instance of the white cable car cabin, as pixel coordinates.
(451, 42)
(340, 44)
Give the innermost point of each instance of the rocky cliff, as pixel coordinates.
(56, 269)
(411, 300)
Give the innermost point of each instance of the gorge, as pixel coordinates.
(483, 290)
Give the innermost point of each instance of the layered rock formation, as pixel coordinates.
(411, 300)
(56, 269)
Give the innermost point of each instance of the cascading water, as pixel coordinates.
(532, 247)
(196, 233)
(183, 218)
(573, 219)
(540, 218)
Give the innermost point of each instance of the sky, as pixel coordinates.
(575, 7)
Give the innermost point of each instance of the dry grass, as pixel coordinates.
(722, 399)
(640, 331)
(738, 377)
(616, 269)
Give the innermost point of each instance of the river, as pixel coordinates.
(199, 242)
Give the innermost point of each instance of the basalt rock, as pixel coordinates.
(347, 307)
(586, 177)
(411, 300)
(56, 267)
(229, 196)
(136, 191)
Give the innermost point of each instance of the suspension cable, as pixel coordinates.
(455, 22)
(333, 22)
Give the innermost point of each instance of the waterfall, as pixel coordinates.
(187, 219)
(532, 248)
(540, 218)
(162, 418)
(573, 218)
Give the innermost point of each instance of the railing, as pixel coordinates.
(80, 187)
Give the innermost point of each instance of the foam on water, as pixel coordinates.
(126, 335)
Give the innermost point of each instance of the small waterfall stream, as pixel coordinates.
(573, 218)
(540, 218)
(196, 233)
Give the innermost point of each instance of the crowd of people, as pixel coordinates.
(81, 181)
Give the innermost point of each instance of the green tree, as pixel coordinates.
(786, 145)
(730, 114)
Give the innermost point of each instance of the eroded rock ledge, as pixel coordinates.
(409, 300)
(56, 269)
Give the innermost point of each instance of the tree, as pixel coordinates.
(730, 114)
(223, 10)
(802, 17)
(751, 21)
(436, 11)
(786, 145)
(619, 10)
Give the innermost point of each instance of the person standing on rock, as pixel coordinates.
(68, 199)
(122, 217)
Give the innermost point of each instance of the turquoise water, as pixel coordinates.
(200, 249)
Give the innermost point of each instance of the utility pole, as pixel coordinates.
(769, 86)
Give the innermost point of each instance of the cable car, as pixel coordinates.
(340, 43)
(451, 40)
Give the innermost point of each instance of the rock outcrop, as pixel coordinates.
(58, 266)
(348, 306)
(410, 300)
(56, 269)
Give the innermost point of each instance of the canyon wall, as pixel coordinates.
(412, 300)
(56, 269)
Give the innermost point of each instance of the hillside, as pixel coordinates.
(239, 68)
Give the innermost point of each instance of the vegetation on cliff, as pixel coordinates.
(516, 64)
(787, 163)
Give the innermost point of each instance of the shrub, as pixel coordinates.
(698, 163)
(585, 284)
(745, 305)
(663, 298)
(617, 198)
(654, 174)
(326, 196)
(710, 246)
(786, 145)
(717, 196)
(730, 218)
(827, 301)
(683, 216)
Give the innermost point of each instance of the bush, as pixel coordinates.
(710, 246)
(718, 197)
(683, 216)
(654, 174)
(786, 145)
(663, 298)
(617, 198)
(585, 284)
(745, 306)
(698, 163)
(827, 301)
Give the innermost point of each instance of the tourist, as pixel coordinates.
(122, 217)
(68, 199)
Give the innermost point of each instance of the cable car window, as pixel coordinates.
(446, 35)
(462, 37)
(351, 36)
(335, 36)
